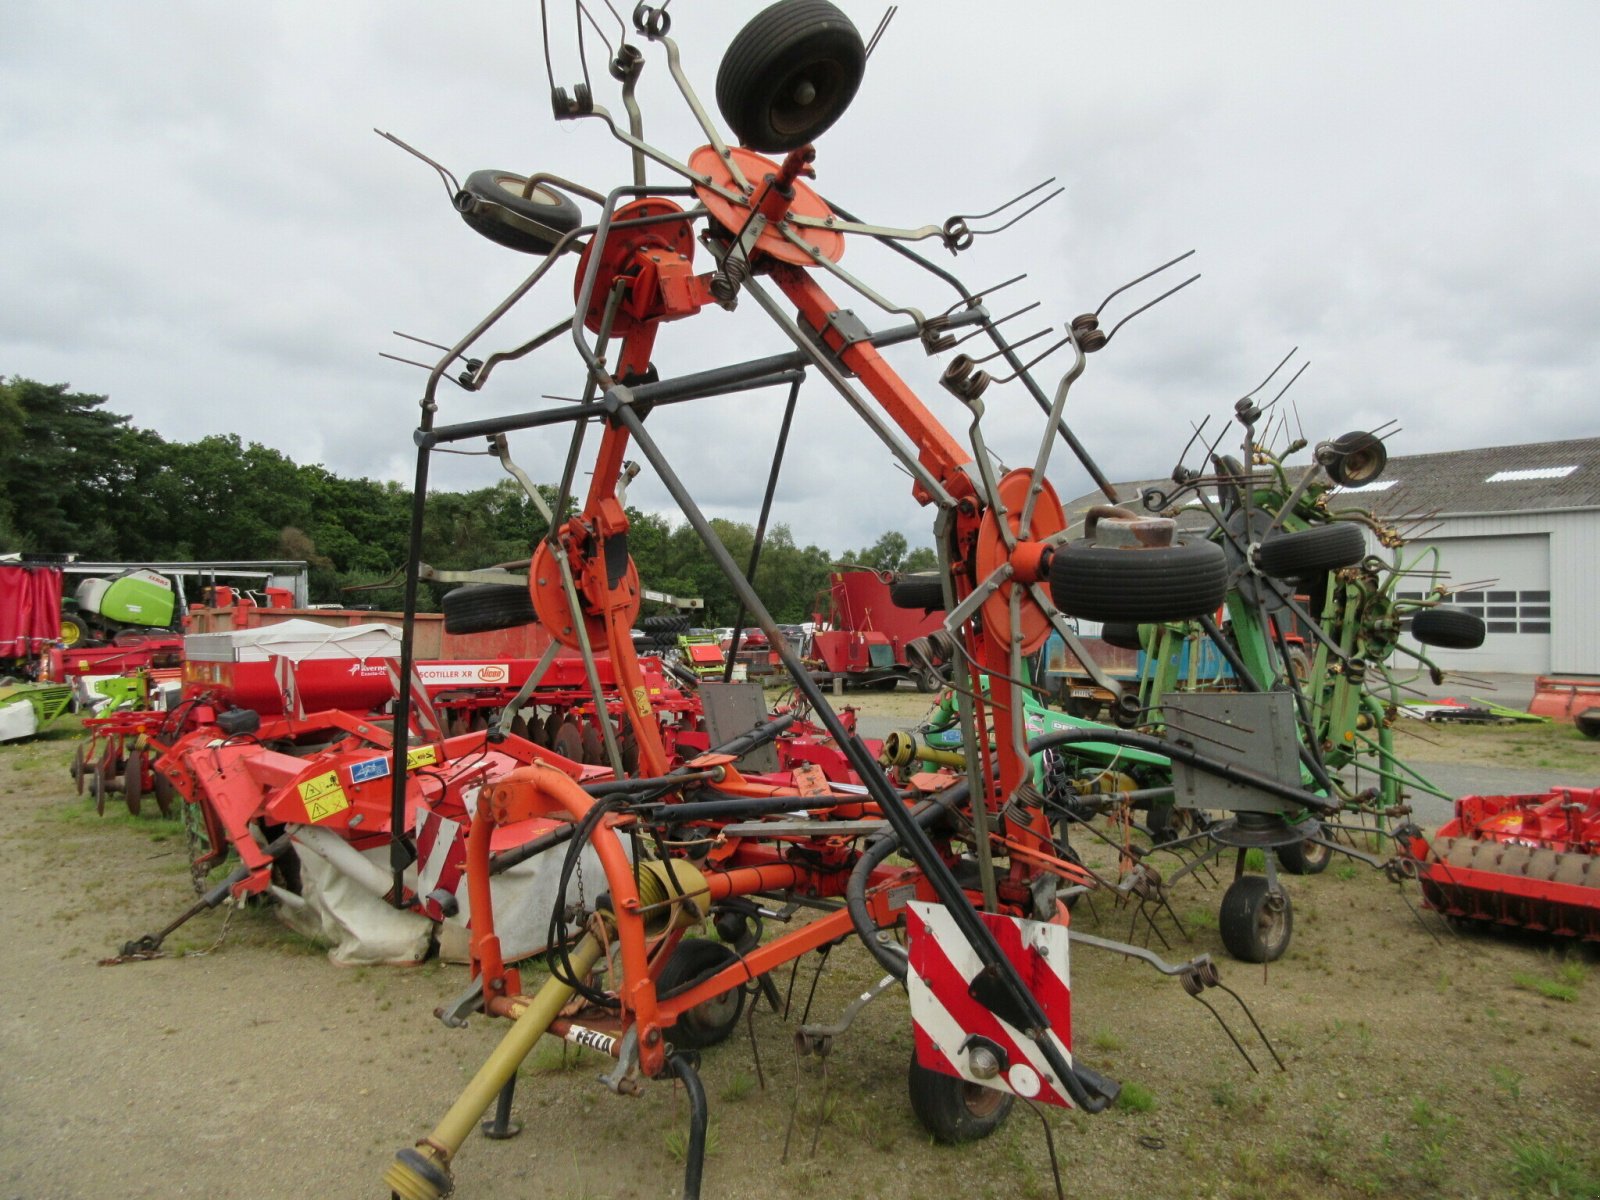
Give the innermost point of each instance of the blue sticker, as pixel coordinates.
(366, 772)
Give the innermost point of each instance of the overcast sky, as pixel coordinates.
(197, 220)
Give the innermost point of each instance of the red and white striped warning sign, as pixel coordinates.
(441, 858)
(958, 1035)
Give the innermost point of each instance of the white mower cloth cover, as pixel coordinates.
(341, 902)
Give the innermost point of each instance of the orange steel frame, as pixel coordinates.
(611, 604)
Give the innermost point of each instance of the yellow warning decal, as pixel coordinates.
(641, 702)
(323, 797)
(422, 756)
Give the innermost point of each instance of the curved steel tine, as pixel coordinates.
(621, 24)
(979, 297)
(1187, 446)
(1152, 304)
(1236, 1044)
(544, 29)
(994, 325)
(1289, 385)
(1014, 200)
(883, 25)
(583, 53)
(1265, 1041)
(452, 186)
(583, 10)
(1032, 208)
(1034, 362)
(1292, 351)
(1133, 282)
(1013, 345)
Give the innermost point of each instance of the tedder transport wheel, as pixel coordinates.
(1448, 628)
(1358, 458)
(710, 1022)
(1305, 858)
(492, 202)
(952, 1109)
(485, 607)
(1308, 552)
(1167, 583)
(923, 590)
(1255, 925)
(789, 74)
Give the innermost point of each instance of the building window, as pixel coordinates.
(1502, 612)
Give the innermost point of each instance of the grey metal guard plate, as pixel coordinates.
(735, 708)
(1251, 729)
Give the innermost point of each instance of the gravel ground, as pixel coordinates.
(245, 1065)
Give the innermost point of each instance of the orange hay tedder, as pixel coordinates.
(982, 870)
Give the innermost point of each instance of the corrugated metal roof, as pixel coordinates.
(1531, 479)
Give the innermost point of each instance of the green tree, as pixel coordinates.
(58, 469)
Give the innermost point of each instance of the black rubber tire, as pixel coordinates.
(1305, 858)
(1448, 628)
(1168, 583)
(952, 1109)
(133, 779)
(1588, 722)
(1307, 552)
(1253, 929)
(665, 623)
(1085, 708)
(1122, 634)
(712, 1021)
(784, 48)
(923, 590)
(504, 216)
(485, 607)
(1360, 459)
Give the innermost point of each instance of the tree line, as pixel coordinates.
(77, 477)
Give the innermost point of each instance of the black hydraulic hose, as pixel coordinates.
(880, 848)
(733, 808)
(761, 523)
(549, 840)
(694, 1160)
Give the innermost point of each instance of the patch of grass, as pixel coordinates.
(1573, 971)
(1135, 1097)
(1543, 1169)
(1508, 1081)
(740, 1086)
(1255, 860)
(1345, 872)
(1105, 1040)
(1550, 989)
(677, 1143)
